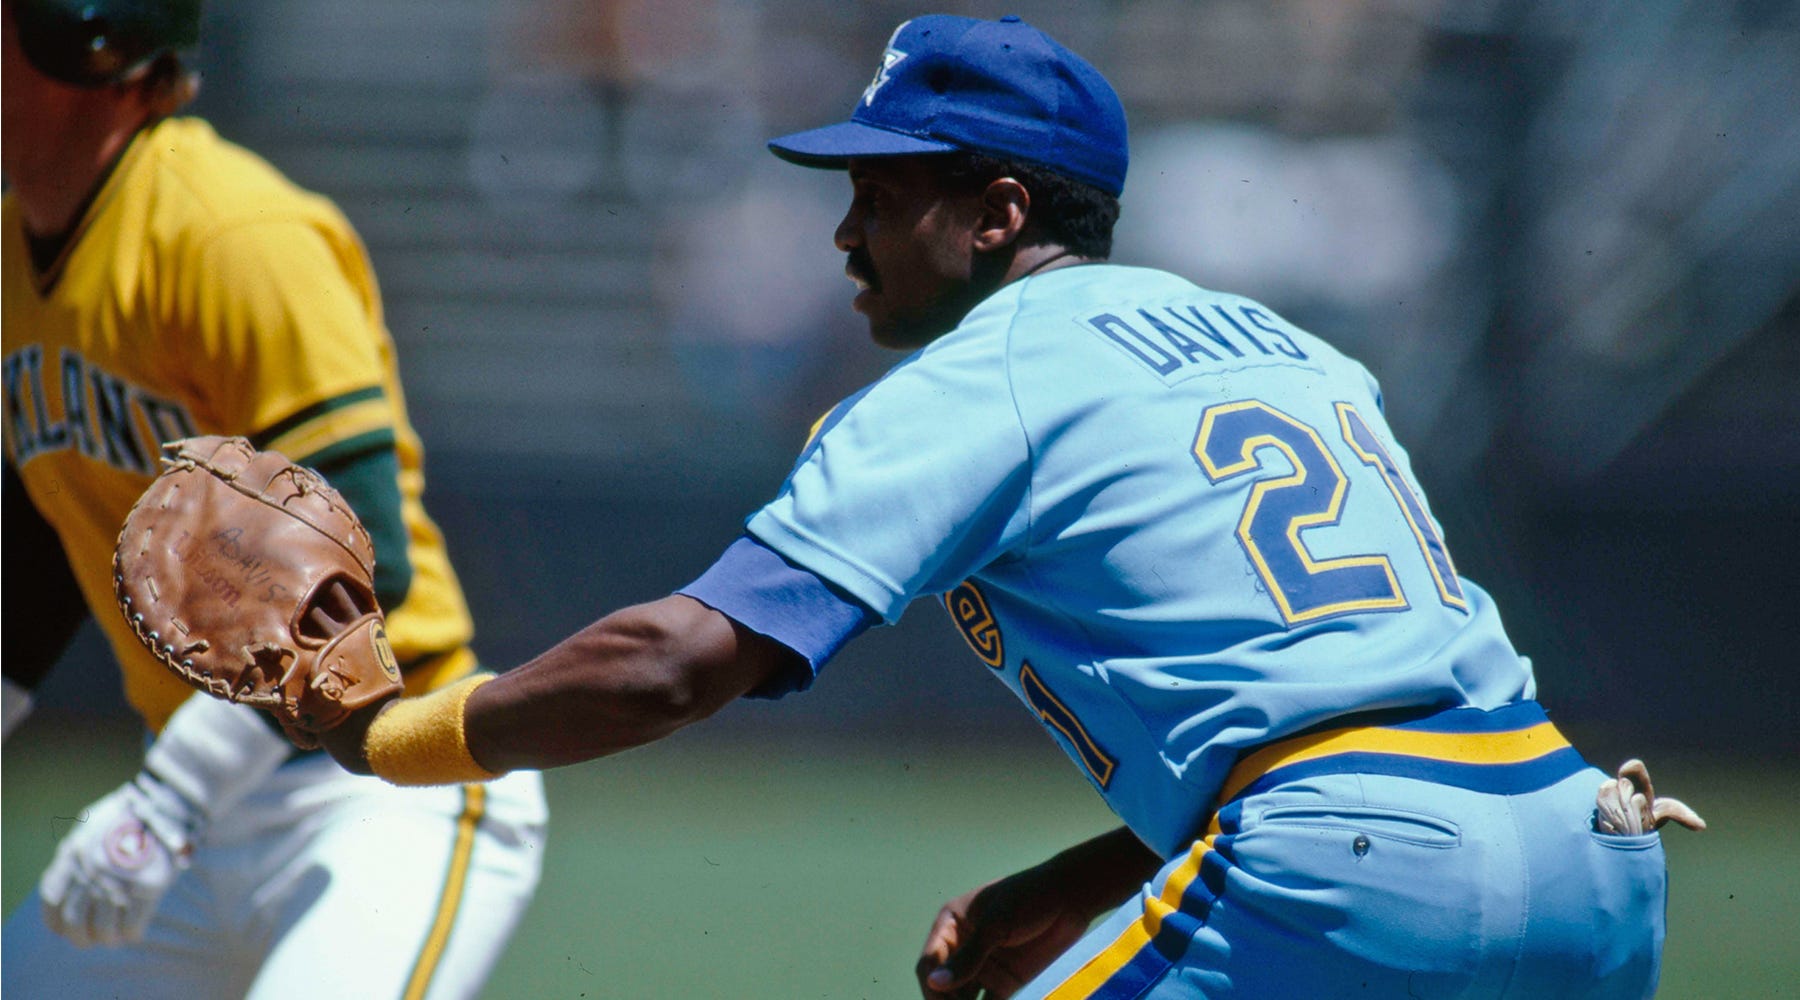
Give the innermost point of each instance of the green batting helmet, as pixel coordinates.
(92, 43)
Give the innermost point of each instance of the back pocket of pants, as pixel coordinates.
(1373, 821)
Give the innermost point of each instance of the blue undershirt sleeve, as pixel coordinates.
(754, 586)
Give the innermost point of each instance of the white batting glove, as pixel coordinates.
(124, 853)
(1628, 804)
(115, 866)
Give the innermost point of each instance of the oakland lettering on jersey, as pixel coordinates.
(1175, 341)
(101, 415)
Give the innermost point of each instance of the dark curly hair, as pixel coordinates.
(1065, 212)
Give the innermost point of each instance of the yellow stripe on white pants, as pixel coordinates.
(455, 880)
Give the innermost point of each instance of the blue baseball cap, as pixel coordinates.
(1000, 88)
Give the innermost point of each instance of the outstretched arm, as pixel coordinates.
(296, 629)
(630, 678)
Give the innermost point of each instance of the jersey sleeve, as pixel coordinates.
(754, 586)
(286, 314)
(369, 481)
(913, 485)
(285, 318)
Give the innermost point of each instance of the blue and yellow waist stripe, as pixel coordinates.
(1508, 751)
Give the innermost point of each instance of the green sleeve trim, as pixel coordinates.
(350, 449)
(367, 472)
(262, 438)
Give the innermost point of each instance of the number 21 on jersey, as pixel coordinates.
(1234, 441)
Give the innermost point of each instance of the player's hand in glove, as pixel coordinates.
(252, 580)
(122, 855)
(1628, 805)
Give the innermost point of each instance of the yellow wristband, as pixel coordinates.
(420, 741)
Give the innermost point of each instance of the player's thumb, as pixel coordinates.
(961, 965)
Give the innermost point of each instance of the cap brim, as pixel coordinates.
(834, 145)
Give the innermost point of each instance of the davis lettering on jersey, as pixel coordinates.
(101, 415)
(1176, 341)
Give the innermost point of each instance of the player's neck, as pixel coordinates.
(1038, 259)
(54, 189)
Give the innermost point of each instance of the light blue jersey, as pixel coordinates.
(1176, 526)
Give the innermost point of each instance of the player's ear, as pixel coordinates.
(1005, 205)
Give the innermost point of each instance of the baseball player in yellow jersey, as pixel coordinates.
(161, 282)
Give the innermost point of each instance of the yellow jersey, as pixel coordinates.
(202, 292)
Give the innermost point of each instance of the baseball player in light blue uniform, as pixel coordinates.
(1180, 530)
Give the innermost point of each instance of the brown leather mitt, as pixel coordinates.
(251, 579)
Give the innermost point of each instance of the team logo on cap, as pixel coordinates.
(889, 59)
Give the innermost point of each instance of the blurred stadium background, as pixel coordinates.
(1565, 234)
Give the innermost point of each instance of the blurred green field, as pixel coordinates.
(798, 870)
